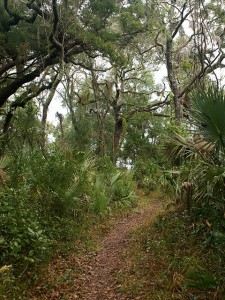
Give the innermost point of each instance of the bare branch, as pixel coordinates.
(148, 108)
(207, 70)
(183, 18)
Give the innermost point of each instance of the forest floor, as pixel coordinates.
(94, 274)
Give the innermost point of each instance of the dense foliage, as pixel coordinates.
(44, 200)
(122, 130)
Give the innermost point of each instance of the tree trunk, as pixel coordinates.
(173, 81)
(60, 116)
(118, 129)
(46, 106)
(102, 139)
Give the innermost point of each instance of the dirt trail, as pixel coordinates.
(100, 279)
(99, 270)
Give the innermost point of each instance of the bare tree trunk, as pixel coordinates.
(101, 114)
(118, 129)
(46, 106)
(173, 81)
(72, 114)
(118, 121)
(102, 138)
(60, 116)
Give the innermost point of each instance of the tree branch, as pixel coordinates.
(206, 71)
(52, 38)
(21, 102)
(148, 108)
(183, 18)
(74, 47)
(17, 18)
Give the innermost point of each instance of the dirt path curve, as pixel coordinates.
(99, 283)
(92, 276)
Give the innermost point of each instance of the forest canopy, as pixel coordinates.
(110, 49)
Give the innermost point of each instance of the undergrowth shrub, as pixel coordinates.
(22, 238)
(47, 198)
(46, 201)
(47, 178)
(198, 261)
(148, 174)
(112, 187)
(99, 199)
(122, 189)
(189, 268)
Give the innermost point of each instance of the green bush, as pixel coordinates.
(100, 201)
(22, 238)
(117, 185)
(47, 177)
(147, 174)
(122, 189)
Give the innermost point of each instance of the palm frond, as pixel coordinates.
(208, 114)
(115, 177)
(4, 162)
(190, 148)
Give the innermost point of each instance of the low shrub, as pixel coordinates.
(147, 174)
(22, 238)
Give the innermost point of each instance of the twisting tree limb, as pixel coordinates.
(17, 18)
(22, 101)
(53, 39)
(148, 108)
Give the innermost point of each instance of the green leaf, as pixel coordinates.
(4, 162)
(115, 178)
(208, 113)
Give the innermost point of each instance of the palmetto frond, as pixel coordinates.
(4, 162)
(190, 148)
(206, 148)
(208, 114)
